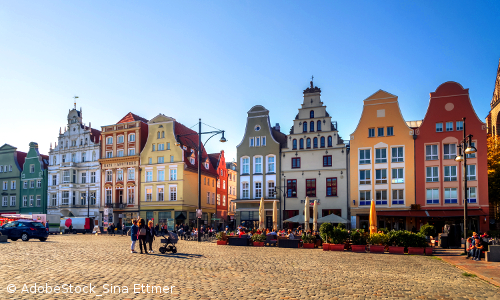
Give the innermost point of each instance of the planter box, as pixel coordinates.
(416, 250)
(396, 250)
(308, 246)
(336, 247)
(428, 250)
(258, 244)
(221, 242)
(326, 247)
(358, 248)
(377, 249)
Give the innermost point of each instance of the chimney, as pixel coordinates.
(277, 127)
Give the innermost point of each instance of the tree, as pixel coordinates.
(493, 145)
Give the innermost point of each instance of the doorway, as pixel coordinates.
(269, 222)
(120, 196)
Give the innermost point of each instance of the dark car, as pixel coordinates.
(24, 230)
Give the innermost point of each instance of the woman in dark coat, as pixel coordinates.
(150, 236)
(143, 231)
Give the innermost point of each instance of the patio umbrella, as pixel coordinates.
(315, 216)
(275, 216)
(373, 218)
(297, 219)
(262, 222)
(332, 219)
(306, 215)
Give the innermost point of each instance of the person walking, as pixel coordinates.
(133, 235)
(150, 236)
(142, 235)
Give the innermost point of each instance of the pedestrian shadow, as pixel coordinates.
(177, 255)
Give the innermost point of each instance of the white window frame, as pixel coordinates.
(396, 158)
(251, 142)
(434, 152)
(120, 139)
(397, 200)
(119, 153)
(256, 165)
(433, 176)
(269, 164)
(130, 195)
(109, 140)
(258, 189)
(149, 176)
(263, 139)
(131, 137)
(245, 165)
(172, 174)
(471, 194)
(92, 177)
(160, 193)
(119, 175)
(379, 157)
(362, 177)
(450, 199)
(12, 200)
(149, 194)
(382, 200)
(398, 175)
(131, 151)
(270, 189)
(439, 127)
(471, 172)
(449, 177)
(459, 126)
(449, 126)
(366, 195)
(109, 176)
(131, 174)
(13, 185)
(160, 175)
(364, 161)
(451, 154)
(245, 190)
(379, 176)
(434, 196)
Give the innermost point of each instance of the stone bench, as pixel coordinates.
(493, 253)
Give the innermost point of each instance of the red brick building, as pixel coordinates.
(439, 178)
(219, 163)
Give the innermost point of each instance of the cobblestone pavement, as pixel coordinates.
(208, 271)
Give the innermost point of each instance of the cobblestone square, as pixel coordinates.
(207, 271)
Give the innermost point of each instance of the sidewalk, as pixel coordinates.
(489, 271)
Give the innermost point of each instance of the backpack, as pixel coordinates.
(142, 231)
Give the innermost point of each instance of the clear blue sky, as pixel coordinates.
(216, 59)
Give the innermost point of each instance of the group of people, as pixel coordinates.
(288, 233)
(476, 246)
(184, 231)
(144, 234)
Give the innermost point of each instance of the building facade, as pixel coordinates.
(219, 163)
(382, 165)
(11, 166)
(169, 180)
(232, 190)
(34, 175)
(259, 160)
(439, 178)
(314, 164)
(74, 170)
(121, 145)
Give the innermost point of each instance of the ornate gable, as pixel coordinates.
(496, 92)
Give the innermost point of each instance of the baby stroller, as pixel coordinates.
(168, 242)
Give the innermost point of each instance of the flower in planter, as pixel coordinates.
(359, 237)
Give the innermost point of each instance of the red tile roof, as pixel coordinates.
(130, 117)
(45, 161)
(94, 134)
(21, 157)
(214, 159)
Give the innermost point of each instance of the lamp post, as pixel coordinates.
(283, 190)
(465, 144)
(199, 149)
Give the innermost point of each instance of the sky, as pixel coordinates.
(215, 60)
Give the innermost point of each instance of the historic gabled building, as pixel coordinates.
(439, 178)
(34, 182)
(121, 145)
(382, 166)
(11, 166)
(219, 163)
(169, 177)
(314, 164)
(259, 161)
(74, 170)
(232, 190)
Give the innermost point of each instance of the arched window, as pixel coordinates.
(315, 142)
(322, 142)
(301, 143)
(294, 144)
(308, 143)
(311, 114)
(330, 141)
(304, 128)
(158, 134)
(312, 126)
(318, 127)
(54, 161)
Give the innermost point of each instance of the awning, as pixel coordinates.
(403, 213)
(432, 213)
(179, 215)
(298, 219)
(333, 218)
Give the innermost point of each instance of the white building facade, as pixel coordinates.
(74, 170)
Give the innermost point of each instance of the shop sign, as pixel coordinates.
(311, 202)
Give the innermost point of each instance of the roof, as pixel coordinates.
(214, 159)
(94, 133)
(279, 136)
(414, 124)
(130, 117)
(45, 161)
(21, 157)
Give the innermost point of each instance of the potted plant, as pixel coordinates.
(416, 243)
(358, 240)
(378, 241)
(308, 241)
(325, 231)
(221, 238)
(338, 237)
(429, 231)
(258, 240)
(396, 242)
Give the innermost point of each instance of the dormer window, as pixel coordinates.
(206, 166)
(191, 160)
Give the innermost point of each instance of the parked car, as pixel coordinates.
(24, 230)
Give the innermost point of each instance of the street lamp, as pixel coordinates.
(199, 149)
(466, 144)
(283, 190)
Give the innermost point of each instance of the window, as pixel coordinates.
(471, 195)
(398, 197)
(109, 154)
(213, 198)
(432, 174)
(65, 197)
(460, 125)
(84, 156)
(329, 141)
(154, 147)
(173, 174)
(315, 142)
(25, 200)
(311, 187)
(130, 194)
(295, 162)
(192, 160)
(322, 142)
(5, 185)
(208, 197)
(308, 143)
(450, 173)
(13, 185)
(54, 161)
(251, 142)
(1, 169)
(161, 147)
(131, 137)
(160, 194)
(304, 127)
(398, 175)
(301, 144)
(371, 132)
(471, 172)
(150, 160)
(25, 184)
(119, 175)
(131, 174)
(258, 190)
(311, 126)
(449, 126)
(120, 139)
(364, 156)
(5, 200)
(380, 131)
(381, 197)
(131, 151)
(311, 114)
(32, 184)
(472, 155)
(381, 155)
(109, 176)
(331, 187)
(270, 164)
(257, 142)
(218, 183)
(450, 151)
(245, 166)
(63, 158)
(161, 175)
(38, 201)
(270, 190)
(364, 177)
(258, 165)
(223, 184)
(73, 157)
(450, 196)
(439, 127)
(83, 197)
(380, 176)
(218, 199)
(53, 200)
(263, 142)
(365, 198)
(168, 146)
(245, 190)
(171, 158)
(158, 135)
(109, 140)
(149, 176)
(149, 194)
(294, 144)
(397, 154)
(108, 196)
(327, 161)
(291, 188)
(161, 159)
(84, 177)
(390, 131)
(120, 153)
(318, 127)
(32, 168)
(224, 200)
(431, 152)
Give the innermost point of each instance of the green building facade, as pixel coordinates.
(34, 182)
(11, 166)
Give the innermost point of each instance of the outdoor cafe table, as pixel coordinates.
(286, 243)
(237, 241)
